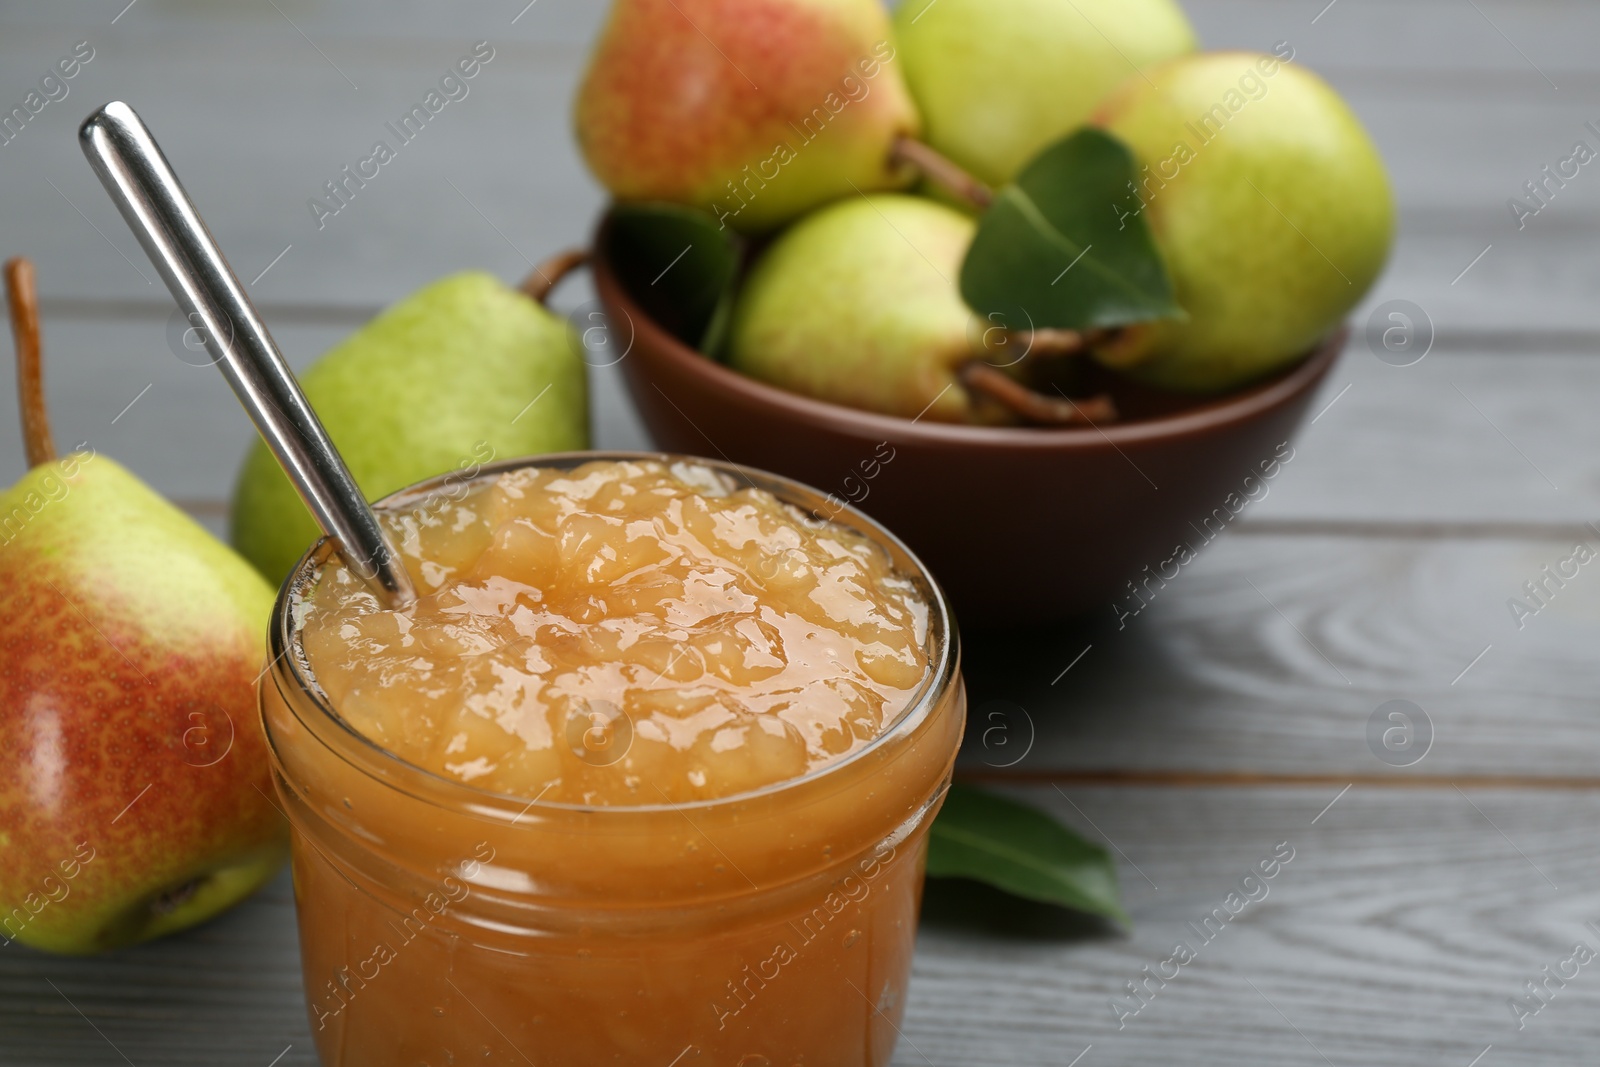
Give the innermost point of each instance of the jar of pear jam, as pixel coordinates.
(643, 778)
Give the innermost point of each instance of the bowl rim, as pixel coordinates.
(1208, 415)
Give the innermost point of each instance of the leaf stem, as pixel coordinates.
(980, 377)
(22, 297)
(941, 171)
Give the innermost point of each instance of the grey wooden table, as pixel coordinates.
(1230, 717)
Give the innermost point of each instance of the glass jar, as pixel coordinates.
(444, 925)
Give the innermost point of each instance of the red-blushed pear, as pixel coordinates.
(1270, 206)
(756, 110)
(133, 778)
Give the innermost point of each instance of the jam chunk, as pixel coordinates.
(623, 633)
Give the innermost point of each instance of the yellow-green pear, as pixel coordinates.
(998, 80)
(857, 304)
(1270, 206)
(460, 373)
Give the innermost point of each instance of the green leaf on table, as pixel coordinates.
(1022, 851)
(679, 265)
(1066, 245)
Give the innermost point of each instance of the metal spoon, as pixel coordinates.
(140, 180)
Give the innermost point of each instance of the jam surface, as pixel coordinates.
(624, 633)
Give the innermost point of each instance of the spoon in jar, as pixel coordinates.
(153, 202)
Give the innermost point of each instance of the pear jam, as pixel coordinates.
(643, 777)
(623, 633)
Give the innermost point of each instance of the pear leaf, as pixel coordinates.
(1067, 246)
(679, 264)
(1022, 851)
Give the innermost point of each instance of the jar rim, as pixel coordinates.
(288, 653)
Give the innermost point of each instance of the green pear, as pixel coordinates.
(998, 80)
(461, 373)
(134, 784)
(857, 304)
(756, 111)
(1270, 206)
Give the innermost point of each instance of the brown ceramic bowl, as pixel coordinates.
(1018, 524)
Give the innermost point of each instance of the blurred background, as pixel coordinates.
(260, 103)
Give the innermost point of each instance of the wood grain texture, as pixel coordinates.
(1394, 936)
(187, 434)
(1270, 654)
(1492, 441)
(1463, 120)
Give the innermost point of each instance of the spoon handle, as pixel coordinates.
(134, 171)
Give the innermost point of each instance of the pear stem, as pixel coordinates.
(547, 275)
(941, 171)
(1050, 342)
(1036, 407)
(22, 297)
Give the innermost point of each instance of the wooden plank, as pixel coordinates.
(1463, 437)
(1459, 148)
(1270, 654)
(345, 23)
(187, 435)
(1392, 35)
(1432, 40)
(274, 124)
(1529, 293)
(1394, 935)
(229, 992)
(1486, 286)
